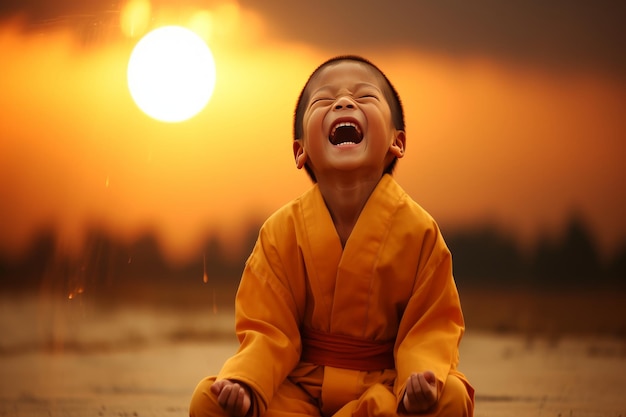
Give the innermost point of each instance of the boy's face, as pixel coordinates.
(347, 124)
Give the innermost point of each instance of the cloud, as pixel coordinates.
(559, 34)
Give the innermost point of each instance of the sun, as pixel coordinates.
(171, 74)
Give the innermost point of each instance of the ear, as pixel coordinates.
(397, 147)
(299, 153)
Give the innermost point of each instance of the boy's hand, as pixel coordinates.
(421, 392)
(233, 396)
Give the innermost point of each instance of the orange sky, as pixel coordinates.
(488, 140)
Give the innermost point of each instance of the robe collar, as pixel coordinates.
(345, 275)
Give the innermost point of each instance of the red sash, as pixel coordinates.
(346, 352)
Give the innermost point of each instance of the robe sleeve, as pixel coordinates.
(432, 324)
(267, 323)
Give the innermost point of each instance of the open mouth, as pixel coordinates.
(345, 133)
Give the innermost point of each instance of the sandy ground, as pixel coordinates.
(512, 376)
(146, 364)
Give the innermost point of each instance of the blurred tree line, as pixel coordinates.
(484, 257)
(487, 257)
(108, 269)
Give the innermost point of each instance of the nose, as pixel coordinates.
(344, 102)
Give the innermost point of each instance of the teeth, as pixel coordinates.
(343, 124)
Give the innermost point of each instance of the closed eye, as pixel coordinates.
(319, 100)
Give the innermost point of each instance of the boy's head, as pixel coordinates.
(389, 95)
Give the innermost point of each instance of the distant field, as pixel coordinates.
(548, 314)
(52, 320)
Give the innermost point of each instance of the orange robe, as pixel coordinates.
(391, 283)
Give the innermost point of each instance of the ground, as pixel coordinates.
(69, 360)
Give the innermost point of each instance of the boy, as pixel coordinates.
(347, 305)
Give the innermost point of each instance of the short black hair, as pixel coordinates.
(389, 91)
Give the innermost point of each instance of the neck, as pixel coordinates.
(345, 201)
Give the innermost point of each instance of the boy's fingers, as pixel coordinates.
(430, 377)
(427, 390)
(420, 388)
(233, 396)
(413, 388)
(225, 397)
(222, 398)
(413, 384)
(217, 386)
(240, 399)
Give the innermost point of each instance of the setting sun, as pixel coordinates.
(171, 74)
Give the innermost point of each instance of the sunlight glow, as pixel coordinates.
(135, 17)
(171, 74)
(202, 22)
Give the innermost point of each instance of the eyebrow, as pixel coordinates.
(356, 87)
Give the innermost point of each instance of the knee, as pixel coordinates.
(456, 399)
(203, 402)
